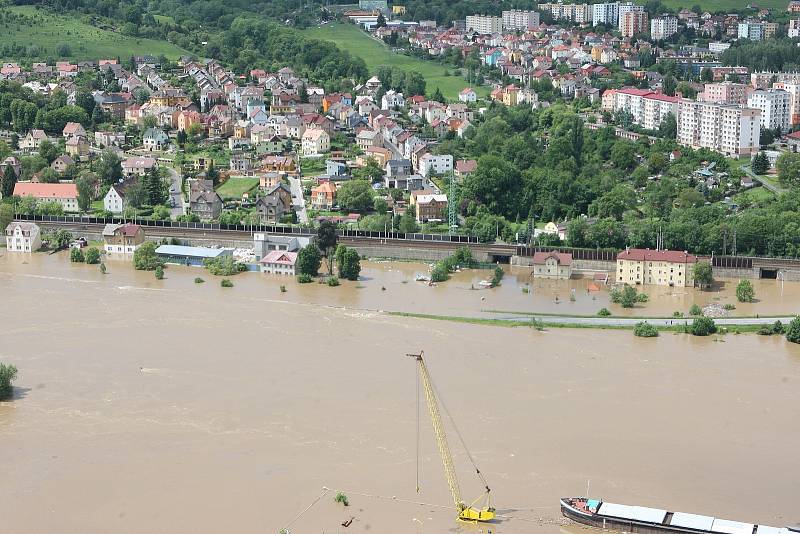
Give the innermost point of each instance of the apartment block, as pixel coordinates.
(647, 108)
(484, 24)
(774, 106)
(728, 129)
(517, 19)
(663, 27)
(765, 80)
(628, 7)
(637, 266)
(633, 23)
(607, 13)
(725, 93)
(794, 100)
(794, 28)
(579, 13)
(751, 30)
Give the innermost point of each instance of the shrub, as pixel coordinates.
(695, 310)
(677, 314)
(304, 278)
(703, 326)
(159, 273)
(777, 327)
(199, 280)
(642, 297)
(439, 273)
(765, 330)
(7, 375)
(76, 255)
(308, 260)
(92, 256)
(604, 312)
(342, 498)
(498, 276)
(226, 283)
(626, 297)
(793, 332)
(283, 289)
(102, 267)
(729, 307)
(745, 291)
(526, 290)
(224, 266)
(645, 329)
(332, 281)
(145, 258)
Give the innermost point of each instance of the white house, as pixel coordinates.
(430, 164)
(155, 139)
(114, 201)
(392, 99)
(467, 95)
(315, 142)
(23, 237)
(137, 166)
(278, 262)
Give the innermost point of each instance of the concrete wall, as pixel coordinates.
(378, 250)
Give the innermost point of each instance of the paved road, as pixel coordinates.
(176, 196)
(618, 321)
(757, 178)
(297, 199)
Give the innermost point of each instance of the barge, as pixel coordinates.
(643, 520)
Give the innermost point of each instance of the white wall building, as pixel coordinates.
(663, 27)
(774, 105)
(430, 164)
(627, 7)
(751, 30)
(794, 28)
(794, 100)
(114, 201)
(730, 130)
(607, 13)
(517, 19)
(579, 13)
(23, 237)
(392, 99)
(647, 108)
(484, 23)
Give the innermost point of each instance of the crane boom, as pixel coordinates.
(465, 512)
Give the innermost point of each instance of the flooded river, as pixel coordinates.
(175, 407)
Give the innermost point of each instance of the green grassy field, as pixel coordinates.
(376, 54)
(235, 186)
(756, 194)
(47, 30)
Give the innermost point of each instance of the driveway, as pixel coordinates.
(759, 179)
(175, 194)
(297, 199)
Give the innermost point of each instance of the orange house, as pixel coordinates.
(323, 196)
(187, 119)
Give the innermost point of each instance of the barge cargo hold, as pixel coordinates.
(643, 520)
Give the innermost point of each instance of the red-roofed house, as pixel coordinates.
(556, 265)
(646, 107)
(655, 267)
(122, 238)
(64, 194)
(279, 262)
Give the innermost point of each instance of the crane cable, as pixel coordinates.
(307, 508)
(458, 433)
(417, 375)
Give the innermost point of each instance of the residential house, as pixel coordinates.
(557, 265)
(430, 164)
(138, 166)
(465, 167)
(656, 267)
(23, 237)
(279, 262)
(122, 238)
(315, 142)
(64, 194)
(428, 206)
(187, 119)
(276, 203)
(61, 163)
(155, 139)
(77, 147)
(468, 94)
(32, 140)
(263, 243)
(108, 139)
(114, 201)
(206, 204)
(73, 129)
(323, 197)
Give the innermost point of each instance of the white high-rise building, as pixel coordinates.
(751, 30)
(774, 105)
(793, 88)
(517, 19)
(627, 7)
(607, 13)
(579, 13)
(663, 27)
(794, 28)
(647, 108)
(484, 24)
(731, 130)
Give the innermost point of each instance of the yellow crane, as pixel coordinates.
(466, 512)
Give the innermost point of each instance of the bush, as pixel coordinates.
(745, 291)
(677, 314)
(695, 310)
(226, 283)
(498, 276)
(7, 375)
(703, 326)
(777, 327)
(224, 266)
(92, 256)
(332, 281)
(102, 267)
(283, 289)
(765, 330)
(308, 260)
(793, 332)
(604, 312)
(159, 273)
(729, 307)
(145, 258)
(304, 278)
(642, 297)
(439, 273)
(199, 280)
(645, 329)
(342, 498)
(76, 255)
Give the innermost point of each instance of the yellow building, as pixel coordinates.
(655, 267)
(398, 10)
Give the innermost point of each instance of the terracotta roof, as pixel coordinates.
(563, 258)
(466, 165)
(281, 257)
(672, 256)
(40, 190)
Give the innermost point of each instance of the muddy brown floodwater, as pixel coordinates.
(174, 407)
